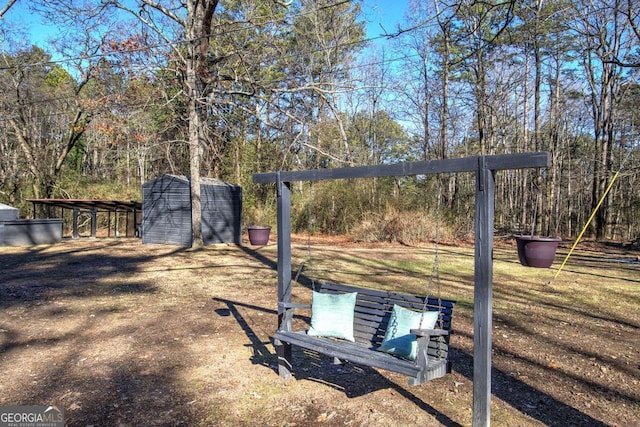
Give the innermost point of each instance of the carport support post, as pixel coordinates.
(483, 294)
(94, 220)
(284, 270)
(76, 212)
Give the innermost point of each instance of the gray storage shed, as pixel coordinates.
(8, 213)
(17, 232)
(166, 211)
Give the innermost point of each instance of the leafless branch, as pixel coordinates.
(6, 8)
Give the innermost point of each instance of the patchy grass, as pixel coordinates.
(121, 333)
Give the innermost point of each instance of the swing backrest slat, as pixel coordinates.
(373, 311)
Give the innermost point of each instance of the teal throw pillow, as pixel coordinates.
(397, 338)
(332, 315)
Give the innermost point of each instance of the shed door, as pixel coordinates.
(169, 219)
(178, 218)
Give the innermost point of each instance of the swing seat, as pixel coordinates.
(372, 313)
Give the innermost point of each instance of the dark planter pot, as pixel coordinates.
(536, 251)
(258, 235)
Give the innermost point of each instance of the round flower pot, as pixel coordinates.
(258, 235)
(536, 251)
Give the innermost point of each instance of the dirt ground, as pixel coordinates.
(125, 334)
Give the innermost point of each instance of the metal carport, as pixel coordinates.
(94, 207)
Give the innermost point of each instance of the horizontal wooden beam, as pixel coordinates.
(467, 164)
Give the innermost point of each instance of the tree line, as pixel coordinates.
(129, 90)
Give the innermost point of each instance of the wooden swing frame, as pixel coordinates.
(485, 168)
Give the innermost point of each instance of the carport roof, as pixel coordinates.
(91, 204)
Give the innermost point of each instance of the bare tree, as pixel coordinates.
(46, 113)
(604, 34)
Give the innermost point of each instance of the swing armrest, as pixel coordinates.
(429, 332)
(294, 305)
(288, 309)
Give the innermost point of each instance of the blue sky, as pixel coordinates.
(383, 14)
(31, 24)
(380, 15)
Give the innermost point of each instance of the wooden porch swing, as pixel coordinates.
(423, 369)
(373, 312)
(402, 333)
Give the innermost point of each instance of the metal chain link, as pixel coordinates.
(435, 269)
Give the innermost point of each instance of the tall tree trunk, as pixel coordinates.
(603, 110)
(537, 143)
(481, 96)
(425, 118)
(524, 195)
(195, 153)
(197, 32)
(444, 112)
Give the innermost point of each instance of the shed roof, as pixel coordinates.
(4, 207)
(185, 179)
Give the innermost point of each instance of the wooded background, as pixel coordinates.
(130, 90)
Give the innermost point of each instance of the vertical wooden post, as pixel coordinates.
(137, 231)
(483, 294)
(76, 213)
(94, 220)
(284, 270)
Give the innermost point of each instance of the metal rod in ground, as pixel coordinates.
(593, 214)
